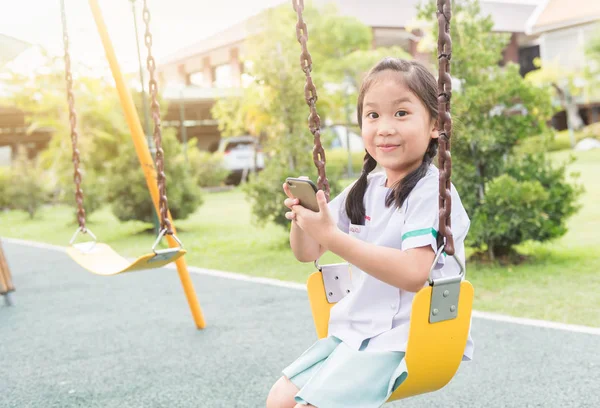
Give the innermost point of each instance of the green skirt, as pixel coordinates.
(330, 375)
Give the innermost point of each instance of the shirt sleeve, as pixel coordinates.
(337, 209)
(421, 217)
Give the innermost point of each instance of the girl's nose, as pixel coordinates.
(386, 130)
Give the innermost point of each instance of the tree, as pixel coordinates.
(101, 126)
(129, 195)
(273, 106)
(494, 109)
(104, 140)
(344, 77)
(567, 85)
(591, 71)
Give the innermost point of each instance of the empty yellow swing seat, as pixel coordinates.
(101, 259)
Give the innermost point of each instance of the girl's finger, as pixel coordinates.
(289, 202)
(286, 189)
(290, 215)
(298, 209)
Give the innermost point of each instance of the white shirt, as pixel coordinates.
(375, 310)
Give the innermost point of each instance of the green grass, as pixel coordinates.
(560, 280)
(562, 140)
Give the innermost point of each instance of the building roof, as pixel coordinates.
(557, 14)
(10, 48)
(508, 15)
(231, 35)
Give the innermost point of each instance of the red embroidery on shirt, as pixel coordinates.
(367, 218)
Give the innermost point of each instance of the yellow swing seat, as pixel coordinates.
(434, 350)
(101, 259)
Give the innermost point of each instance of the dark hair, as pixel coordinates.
(423, 84)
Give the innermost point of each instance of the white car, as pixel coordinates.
(241, 155)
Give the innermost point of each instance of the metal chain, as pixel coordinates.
(73, 121)
(310, 95)
(444, 14)
(165, 223)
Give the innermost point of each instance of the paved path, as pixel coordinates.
(78, 340)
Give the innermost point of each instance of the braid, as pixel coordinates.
(355, 205)
(402, 188)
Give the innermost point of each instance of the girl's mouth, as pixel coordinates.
(387, 147)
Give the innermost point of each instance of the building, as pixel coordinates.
(562, 29)
(192, 78)
(13, 131)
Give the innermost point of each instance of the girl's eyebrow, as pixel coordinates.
(394, 102)
(401, 100)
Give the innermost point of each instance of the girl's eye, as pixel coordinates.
(401, 113)
(372, 115)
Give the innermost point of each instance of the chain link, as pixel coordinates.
(310, 95)
(165, 223)
(73, 122)
(444, 14)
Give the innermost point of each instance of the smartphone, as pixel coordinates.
(305, 191)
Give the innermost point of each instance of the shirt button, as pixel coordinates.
(392, 306)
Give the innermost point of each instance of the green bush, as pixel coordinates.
(563, 196)
(94, 195)
(29, 187)
(559, 140)
(532, 201)
(129, 195)
(512, 212)
(207, 168)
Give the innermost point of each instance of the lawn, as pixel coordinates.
(559, 282)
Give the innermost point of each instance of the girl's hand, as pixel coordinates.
(289, 202)
(319, 225)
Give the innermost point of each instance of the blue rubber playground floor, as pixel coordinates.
(73, 339)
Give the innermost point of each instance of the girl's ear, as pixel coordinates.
(434, 131)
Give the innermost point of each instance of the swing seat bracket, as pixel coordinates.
(161, 255)
(337, 281)
(444, 299)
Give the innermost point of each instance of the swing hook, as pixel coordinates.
(158, 239)
(84, 247)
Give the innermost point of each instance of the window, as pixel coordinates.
(197, 78)
(223, 76)
(526, 57)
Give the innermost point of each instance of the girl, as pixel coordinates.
(385, 226)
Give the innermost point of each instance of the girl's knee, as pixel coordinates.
(282, 394)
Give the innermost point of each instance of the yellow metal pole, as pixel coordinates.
(141, 147)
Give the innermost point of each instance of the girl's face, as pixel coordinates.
(396, 126)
